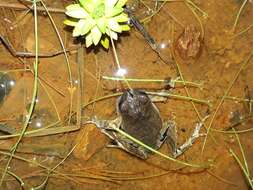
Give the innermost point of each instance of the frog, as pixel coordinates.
(139, 117)
(189, 43)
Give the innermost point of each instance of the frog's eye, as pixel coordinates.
(144, 99)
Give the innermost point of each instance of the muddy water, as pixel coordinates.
(216, 65)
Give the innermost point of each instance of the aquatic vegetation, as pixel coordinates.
(97, 20)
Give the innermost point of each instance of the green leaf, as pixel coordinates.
(88, 5)
(105, 42)
(101, 23)
(125, 27)
(70, 22)
(88, 40)
(112, 24)
(121, 3)
(113, 11)
(96, 35)
(121, 18)
(76, 11)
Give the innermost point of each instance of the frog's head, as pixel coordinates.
(133, 104)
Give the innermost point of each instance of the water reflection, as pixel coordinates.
(121, 72)
(6, 84)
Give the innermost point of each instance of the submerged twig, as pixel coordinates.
(16, 177)
(19, 6)
(71, 87)
(243, 31)
(15, 53)
(238, 14)
(243, 65)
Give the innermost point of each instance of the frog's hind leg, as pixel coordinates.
(129, 147)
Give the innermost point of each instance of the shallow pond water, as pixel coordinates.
(210, 54)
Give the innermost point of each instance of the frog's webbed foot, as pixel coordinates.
(196, 134)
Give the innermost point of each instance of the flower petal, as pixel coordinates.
(111, 12)
(121, 18)
(88, 40)
(114, 35)
(112, 24)
(83, 27)
(121, 3)
(125, 27)
(101, 23)
(88, 5)
(76, 11)
(110, 3)
(96, 35)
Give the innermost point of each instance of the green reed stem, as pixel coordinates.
(157, 152)
(34, 94)
(176, 81)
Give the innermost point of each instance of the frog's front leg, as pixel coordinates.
(196, 134)
(168, 134)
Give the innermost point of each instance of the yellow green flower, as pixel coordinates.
(97, 19)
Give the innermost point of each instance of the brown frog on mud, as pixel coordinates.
(140, 118)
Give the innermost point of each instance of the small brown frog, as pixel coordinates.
(140, 118)
(188, 45)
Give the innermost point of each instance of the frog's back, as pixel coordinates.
(140, 117)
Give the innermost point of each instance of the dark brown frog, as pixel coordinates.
(140, 118)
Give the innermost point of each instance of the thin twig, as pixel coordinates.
(238, 14)
(22, 7)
